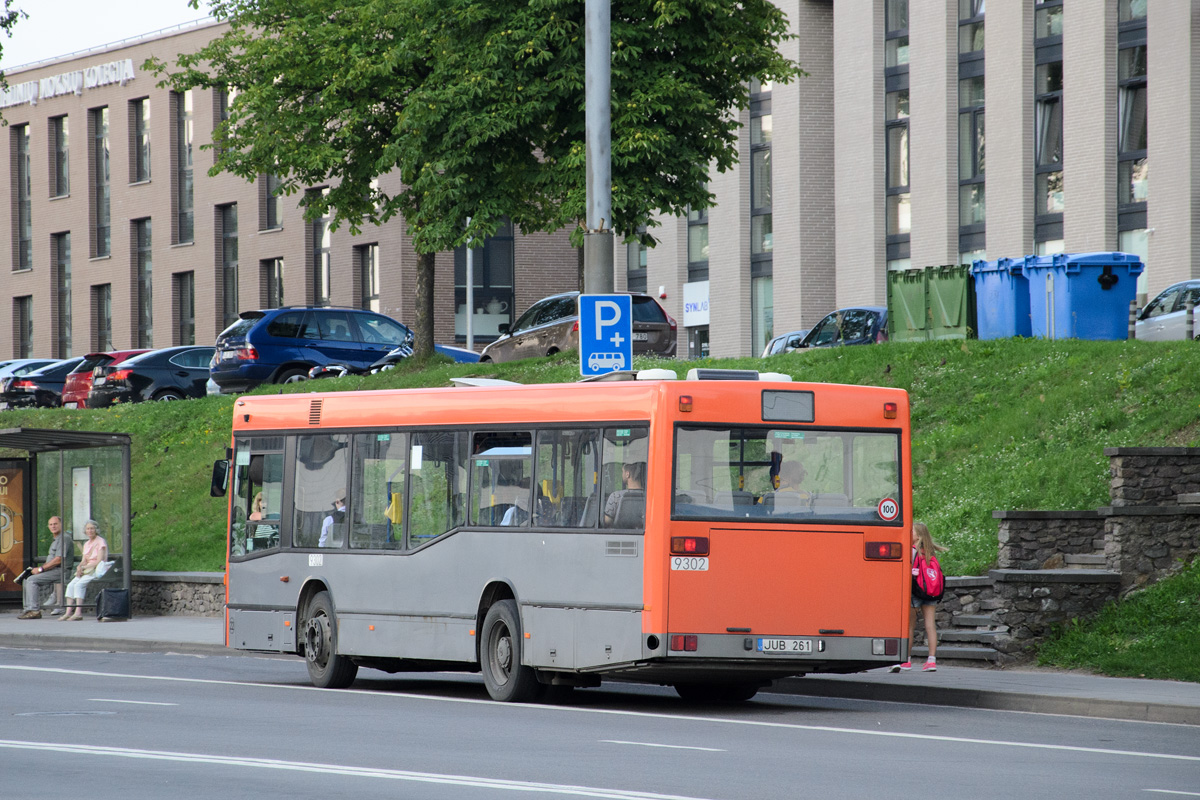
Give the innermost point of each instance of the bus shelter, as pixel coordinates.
(76, 476)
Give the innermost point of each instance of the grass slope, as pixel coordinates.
(997, 425)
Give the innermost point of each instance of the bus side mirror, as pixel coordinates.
(220, 478)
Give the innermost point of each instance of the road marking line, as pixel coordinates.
(667, 746)
(339, 769)
(617, 712)
(131, 702)
(1172, 791)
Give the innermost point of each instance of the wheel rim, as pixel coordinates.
(297, 378)
(316, 640)
(500, 654)
(167, 398)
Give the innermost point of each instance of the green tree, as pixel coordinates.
(8, 18)
(479, 106)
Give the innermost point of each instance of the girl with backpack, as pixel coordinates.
(928, 584)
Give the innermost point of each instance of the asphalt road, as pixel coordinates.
(127, 725)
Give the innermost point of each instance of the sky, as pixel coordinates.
(58, 27)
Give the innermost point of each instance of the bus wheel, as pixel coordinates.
(716, 692)
(506, 678)
(326, 669)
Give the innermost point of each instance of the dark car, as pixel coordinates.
(41, 388)
(281, 345)
(172, 373)
(858, 325)
(79, 382)
(552, 324)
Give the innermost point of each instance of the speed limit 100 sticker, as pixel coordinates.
(888, 509)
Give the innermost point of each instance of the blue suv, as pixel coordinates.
(280, 345)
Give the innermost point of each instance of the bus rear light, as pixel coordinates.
(685, 402)
(885, 647)
(689, 545)
(684, 642)
(889, 410)
(890, 551)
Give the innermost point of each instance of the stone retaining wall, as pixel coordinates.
(196, 594)
(1038, 539)
(1146, 543)
(1033, 603)
(1145, 476)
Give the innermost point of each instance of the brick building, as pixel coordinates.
(874, 161)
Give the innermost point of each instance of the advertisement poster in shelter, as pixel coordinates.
(12, 524)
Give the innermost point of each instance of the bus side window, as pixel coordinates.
(319, 496)
(377, 500)
(438, 476)
(566, 479)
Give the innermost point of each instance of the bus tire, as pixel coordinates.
(506, 678)
(716, 692)
(326, 669)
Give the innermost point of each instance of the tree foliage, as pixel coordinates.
(8, 18)
(479, 106)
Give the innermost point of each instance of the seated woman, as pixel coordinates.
(95, 552)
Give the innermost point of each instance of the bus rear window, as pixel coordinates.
(787, 475)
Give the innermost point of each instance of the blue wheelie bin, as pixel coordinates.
(1082, 295)
(1001, 298)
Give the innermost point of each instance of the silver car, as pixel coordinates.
(1165, 317)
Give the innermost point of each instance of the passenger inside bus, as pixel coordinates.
(333, 529)
(789, 495)
(626, 508)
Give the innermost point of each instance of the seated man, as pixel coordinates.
(789, 494)
(633, 476)
(48, 573)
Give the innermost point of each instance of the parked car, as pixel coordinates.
(1165, 317)
(41, 388)
(79, 382)
(858, 325)
(552, 324)
(390, 360)
(281, 345)
(785, 343)
(21, 366)
(172, 373)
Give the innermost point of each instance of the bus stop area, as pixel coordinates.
(1013, 689)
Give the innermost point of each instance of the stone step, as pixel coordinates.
(1084, 560)
(976, 637)
(1098, 544)
(974, 621)
(952, 653)
(1189, 499)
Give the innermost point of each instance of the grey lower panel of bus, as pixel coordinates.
(581, 638)
(262, 630)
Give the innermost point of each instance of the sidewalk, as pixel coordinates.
(1042, 691)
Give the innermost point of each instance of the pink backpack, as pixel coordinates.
(928, 582)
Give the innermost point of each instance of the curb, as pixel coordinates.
(51, 642)
(997, 701)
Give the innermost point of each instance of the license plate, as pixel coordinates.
(99, 381)
(641, 336)
(785, 646)
(70, 405)
(229, 355)
(689, 563)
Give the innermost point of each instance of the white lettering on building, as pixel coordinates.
(93, 77)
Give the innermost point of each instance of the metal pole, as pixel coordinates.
(470, 309)
(1133, 309)
(598, 241)
(1190, 325)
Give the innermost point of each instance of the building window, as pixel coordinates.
(60, 143)
(139, 145)
(761, 232)
(1049, 195)
(272, 275)
(1131, 10)
(970, 26)
(896, 33)
(268, 217)
(762, 312)
(222, 101)
(23, 327)
(1133, 166)
(636, 255)
(184, 132)
(972, 197)
(697, 244)
(143, 272)
(321, 257)
(898, 208)
(102, 317)
(367, 258)
(229, 263)
(24, 207)
(492, 267)
(101, 227)
(61, 258)
(185, 308)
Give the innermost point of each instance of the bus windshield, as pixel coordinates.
(787, 475)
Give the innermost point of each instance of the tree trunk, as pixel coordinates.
(424, 318)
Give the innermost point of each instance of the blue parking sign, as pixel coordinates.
(605, 333)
